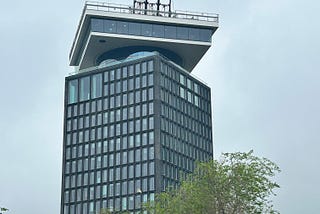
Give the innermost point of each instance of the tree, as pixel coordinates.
(2, 209)
(237, 184)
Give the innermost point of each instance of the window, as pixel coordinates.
(137, 69)
(104, 191)
(144, 139)
(151, 108)
(182, 93)
(124, 158)
(111, 88)
(138, 155)
(134, 29)
(151, 124)
(124, 72)
(117, 190)
(73, 91)
(158, 31)
(110, 26)
(118, 87)
(144, 67)
(131, 171)
(145, 154)
(196, 88)
(150, 79)
(150, 92)
(150, 65)
(151, 153)
(124, 99)
(111, 190)
(130, 84)
(146, 29)
(137, 83)
(122, 27)
(131, 202)
(194, 34)
(111, 75)
(138, 139)
(131, 156)
(96, 85)
(97, 25)
(144, 173)
(144, 80)
(138, 96)
(124, 188)
(124, 203)
(182, 33)
(144, 109)
(124, 86)
(84, 88)
(182, 79)
(151, 168)
(205, 35)
(131, 187)
(151, 184)
(189, 97)
(189, 85)
(170, 32)
(144, 124)
(137, 126)
(138, 170)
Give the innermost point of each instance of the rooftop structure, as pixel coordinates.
(113, 31)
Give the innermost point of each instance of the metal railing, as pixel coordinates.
(119, 8)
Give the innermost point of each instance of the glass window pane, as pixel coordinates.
(170, 32)
(150, 80)
(194, 34)
(96, 86)
(73, 91)
(135, 29)
(146, 29)
(97, 25)
(84, 88)
(205, 35)
(122, 27)
(110, 26)
(182, 33)
(158, 31)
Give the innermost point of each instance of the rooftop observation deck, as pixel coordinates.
(83, 39)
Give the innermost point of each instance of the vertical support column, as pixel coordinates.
(157, 127)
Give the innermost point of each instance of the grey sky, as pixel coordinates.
(263, 68)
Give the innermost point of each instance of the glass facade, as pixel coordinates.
(109, 139)
(151, 30)
(185, 124)
(131, 130)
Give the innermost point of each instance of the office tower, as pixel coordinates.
(136, 120)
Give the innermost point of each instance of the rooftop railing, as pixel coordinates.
(119, 8)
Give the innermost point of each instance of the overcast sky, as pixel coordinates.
(263, 68)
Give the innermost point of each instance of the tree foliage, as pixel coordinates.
(237, 184)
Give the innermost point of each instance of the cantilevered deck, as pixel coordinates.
(108, 30)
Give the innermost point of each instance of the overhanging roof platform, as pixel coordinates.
(112, 31)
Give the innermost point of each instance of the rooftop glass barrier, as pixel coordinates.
(151, 30)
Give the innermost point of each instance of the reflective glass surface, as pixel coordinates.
(151, 30)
